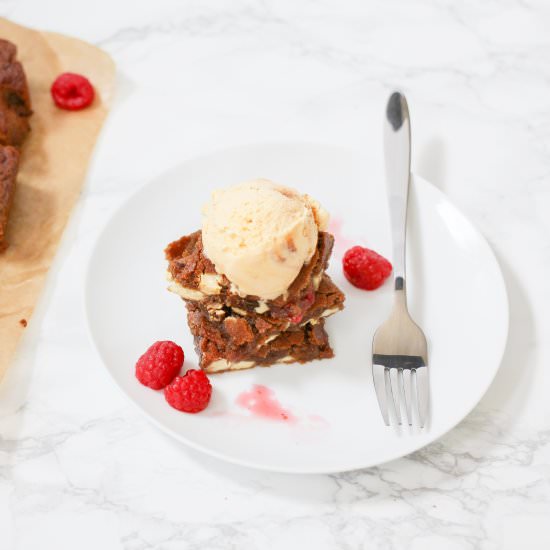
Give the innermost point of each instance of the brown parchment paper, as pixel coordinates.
(52, 170)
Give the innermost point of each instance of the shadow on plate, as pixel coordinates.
(511, 384)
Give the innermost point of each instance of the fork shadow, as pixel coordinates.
(431, 162)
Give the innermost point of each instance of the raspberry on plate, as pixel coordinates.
(189, 393)
(159, 365)
(72, 91)
(365, 268)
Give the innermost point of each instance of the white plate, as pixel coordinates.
(456, 294)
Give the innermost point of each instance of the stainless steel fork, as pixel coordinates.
(399, 349)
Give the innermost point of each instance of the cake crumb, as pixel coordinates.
(23, 323)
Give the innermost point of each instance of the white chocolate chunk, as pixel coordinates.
(224, 364)
(271, 338)
(310, 322)
(317, 280)
(216, 366)
(210, 283)
(262, 307)
(186, 293)
(241, 365)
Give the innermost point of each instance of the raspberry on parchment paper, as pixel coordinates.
(72, 91)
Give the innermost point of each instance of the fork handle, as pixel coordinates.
(397, 149)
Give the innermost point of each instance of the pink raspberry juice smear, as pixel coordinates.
(261, 402)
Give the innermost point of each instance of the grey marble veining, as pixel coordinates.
(80, 468)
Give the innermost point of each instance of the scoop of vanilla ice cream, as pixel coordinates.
(260, 234)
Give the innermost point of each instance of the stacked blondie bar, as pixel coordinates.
(233, 331)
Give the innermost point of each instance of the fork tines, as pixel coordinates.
(401, 384)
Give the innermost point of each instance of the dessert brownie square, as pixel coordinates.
(8, 51)
(233, 330)
(9, 164)
(15, 108)
(15, 102)
(194, 278)
(233, 345)
(327, 300)
(14, 89)
(13, 127)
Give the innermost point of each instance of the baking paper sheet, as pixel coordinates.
(53, 167)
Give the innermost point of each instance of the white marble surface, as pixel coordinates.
(80, 467)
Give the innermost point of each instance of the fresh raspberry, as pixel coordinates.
(158, 366)
(364, 268)
(189, 393)
(72, 91)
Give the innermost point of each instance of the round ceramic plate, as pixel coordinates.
(330, 421)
